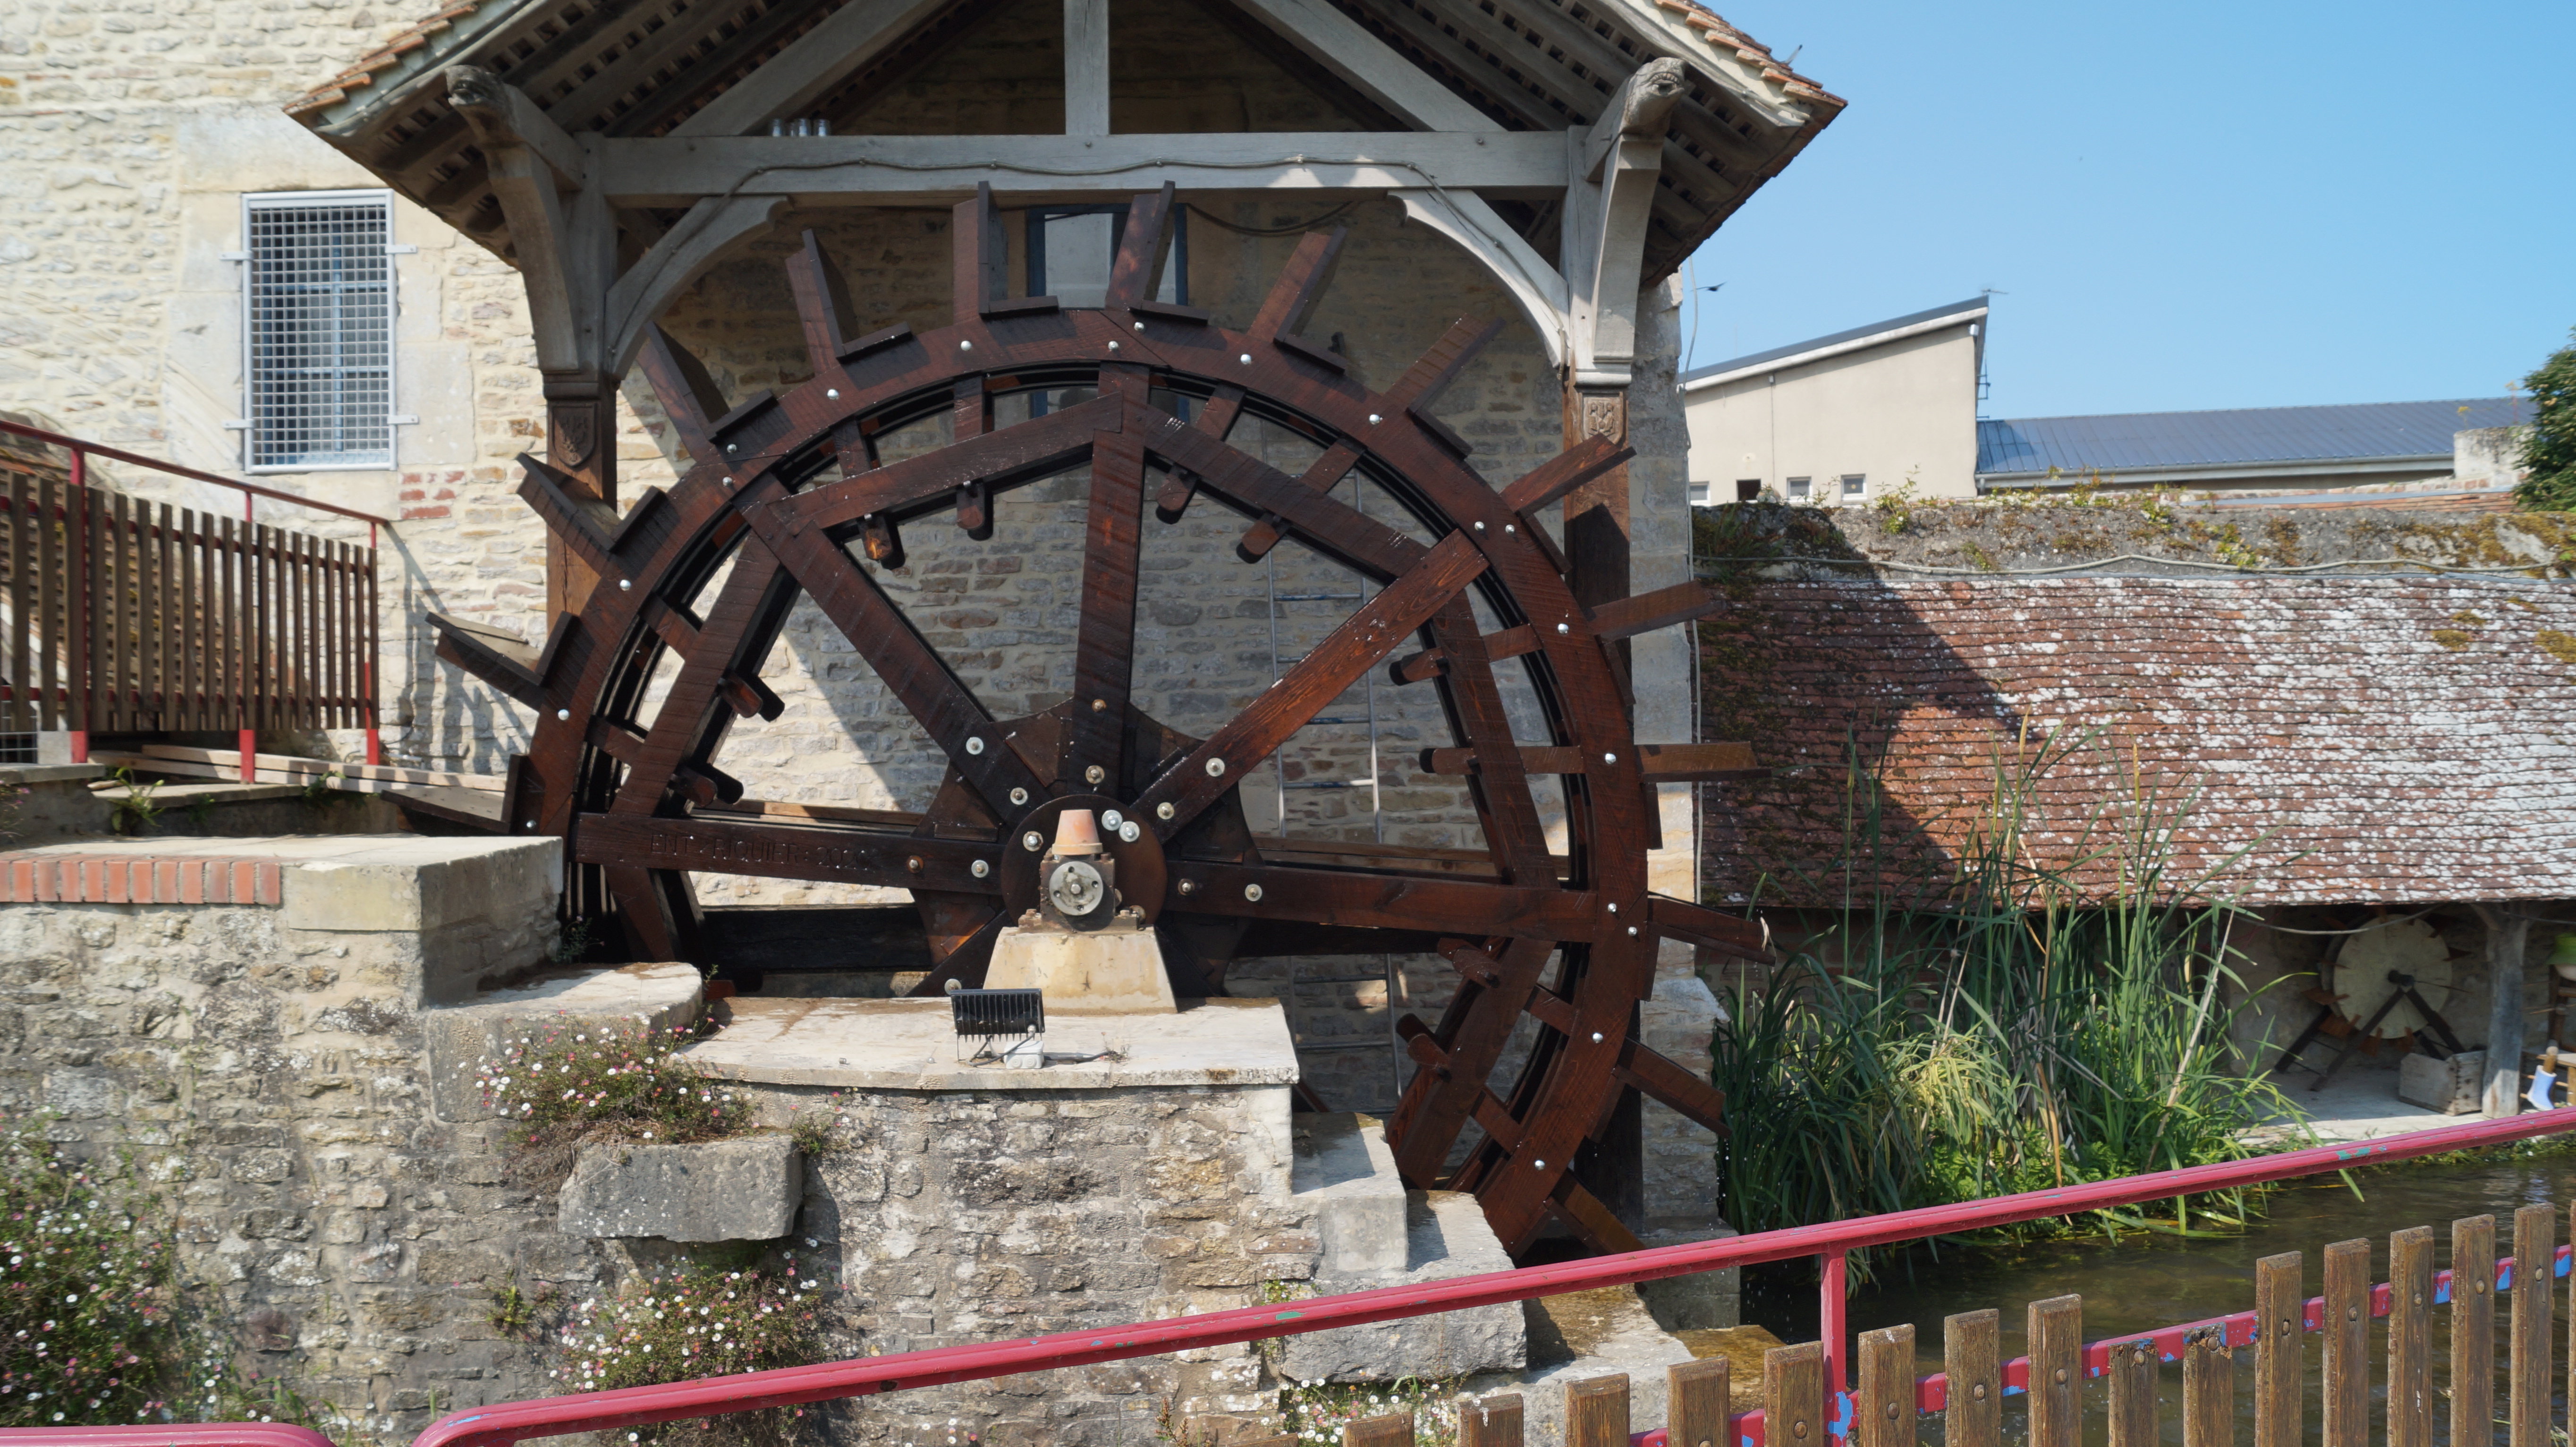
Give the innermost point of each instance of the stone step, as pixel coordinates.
(643, 997)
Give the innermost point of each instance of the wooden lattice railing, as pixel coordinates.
(126, 615)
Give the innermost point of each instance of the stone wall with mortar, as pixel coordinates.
(262, 1067)
(962, 1216)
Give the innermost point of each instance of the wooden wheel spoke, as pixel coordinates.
(1380, 901)
(1354, 647)
(1001, 459)
(1508, 915)
(1473, 1034)
(962, 932)
(911, 669)
(680, 728)
(1329, 526)
(784, 851)
(1105, 651)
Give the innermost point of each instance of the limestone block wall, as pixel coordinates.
(261, 1065)
(962, 1216)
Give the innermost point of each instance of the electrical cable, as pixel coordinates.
(2363, 930)
(1292, 229)
(1498, 248)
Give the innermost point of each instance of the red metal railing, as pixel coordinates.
(301, 572)
(794, 1386)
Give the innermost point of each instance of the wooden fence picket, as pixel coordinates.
(1393, 1430)
(2208, 1390)
(2133, 1394)
(2410, 1359)
(2347, 1334)
(2472, 1330)
(1596, 1412)
(1698, 1396)
(1793, 1396)
(1972, 1359)
(1886, 1403)
(2535, 1247)
(1493, 1421)
(2057, 1372)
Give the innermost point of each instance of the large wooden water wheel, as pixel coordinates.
(786, 494)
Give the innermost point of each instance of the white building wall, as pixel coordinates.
(1903, 410)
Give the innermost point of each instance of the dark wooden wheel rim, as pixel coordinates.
(635, 800)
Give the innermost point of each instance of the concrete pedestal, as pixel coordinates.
(1113, 971)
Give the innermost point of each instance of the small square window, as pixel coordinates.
(1747, 488)
(1801, 488)
(1855, 486)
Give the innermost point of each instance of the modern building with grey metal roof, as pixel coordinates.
(1854, 415)
(2339, 446)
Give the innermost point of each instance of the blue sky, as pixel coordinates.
(2185, 204)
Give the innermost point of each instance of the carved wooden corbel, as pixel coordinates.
(1609, 197)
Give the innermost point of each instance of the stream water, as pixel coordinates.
(2142, 1280)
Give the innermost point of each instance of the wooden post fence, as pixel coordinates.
(2064, 1379)
(128, 616)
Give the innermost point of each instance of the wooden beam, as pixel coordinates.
(1368, 65)
(822, 853)
(1370, 901)
(556, 266)
(713, 228)
(845, 42)
(1537, 287)
(501, 115)
(887, 170)
(1609, 201)
(1681, 920)
(1659, 763)
(1086, 67)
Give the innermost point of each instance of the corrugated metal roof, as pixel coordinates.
(2240, 437)
(1755, 359)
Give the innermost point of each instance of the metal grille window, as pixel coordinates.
(318, 294)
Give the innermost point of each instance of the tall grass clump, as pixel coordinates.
(2003, 1025)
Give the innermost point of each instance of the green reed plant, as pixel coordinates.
(2004, 1024)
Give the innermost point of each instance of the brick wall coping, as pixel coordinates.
(244, 871)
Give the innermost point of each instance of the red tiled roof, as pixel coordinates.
(363, 73)
(2382, 739)
(1714, 29)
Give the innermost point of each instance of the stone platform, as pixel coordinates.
(911, 1045)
